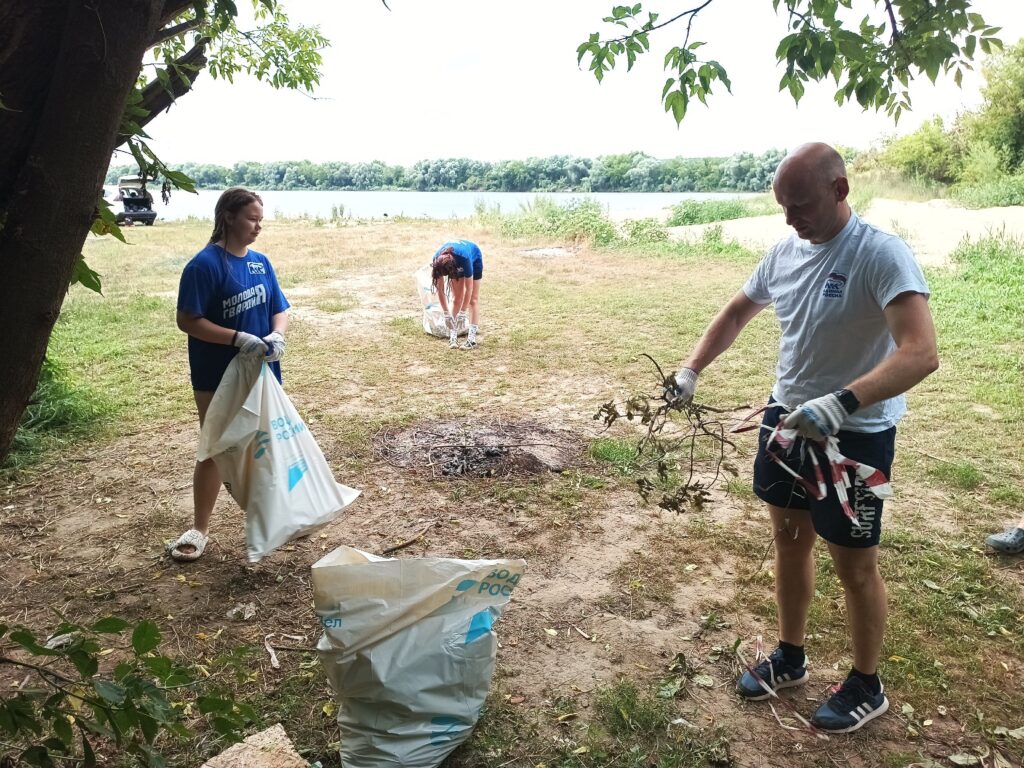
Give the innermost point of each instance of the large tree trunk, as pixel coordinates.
(66, 68)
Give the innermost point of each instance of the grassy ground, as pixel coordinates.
(665, 597)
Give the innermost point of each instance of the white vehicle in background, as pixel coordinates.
(137, 201)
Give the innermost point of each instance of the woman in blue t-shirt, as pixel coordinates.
(229, 303)
(463, 264)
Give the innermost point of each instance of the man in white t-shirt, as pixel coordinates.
(857, 333)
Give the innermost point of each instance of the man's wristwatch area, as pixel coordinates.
(848, 400)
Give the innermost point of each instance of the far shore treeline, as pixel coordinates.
(632, 172)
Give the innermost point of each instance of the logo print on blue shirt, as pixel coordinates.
(256, 268)
(834, 285)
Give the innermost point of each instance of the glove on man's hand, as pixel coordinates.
(276, 343)
(249, 345)
(818, 418)
(681, 386)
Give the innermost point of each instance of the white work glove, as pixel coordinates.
(818, 418)
(449, 321)
(681, 386)
(276, 343)
(461, 320)
(249, 345)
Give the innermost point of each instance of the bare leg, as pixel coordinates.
(474, 303)
(794, 570)
(866, 602)
(205, 479)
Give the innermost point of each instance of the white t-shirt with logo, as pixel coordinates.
(829, 299)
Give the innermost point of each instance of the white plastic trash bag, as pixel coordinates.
(268, 460)
(433, 315)
(409, 649)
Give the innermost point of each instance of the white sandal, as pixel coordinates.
(191, 537)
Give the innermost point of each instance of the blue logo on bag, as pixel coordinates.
(296, 472)
(262, 442)
(445, 728)
(479, 626)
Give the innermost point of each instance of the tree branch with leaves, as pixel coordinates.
(871, 59)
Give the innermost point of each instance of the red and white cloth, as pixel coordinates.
(873, 479)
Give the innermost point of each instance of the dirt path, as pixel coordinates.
(933, 229)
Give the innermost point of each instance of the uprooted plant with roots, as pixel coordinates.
(682, 452)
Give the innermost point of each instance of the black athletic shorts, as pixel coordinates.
(775, 486)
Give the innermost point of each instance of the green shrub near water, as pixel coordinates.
(708, 211)
(578, 220)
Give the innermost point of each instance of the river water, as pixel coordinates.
(433, 205)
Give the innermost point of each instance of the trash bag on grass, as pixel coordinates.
(268, 460)
(433, 315)
(409, 649)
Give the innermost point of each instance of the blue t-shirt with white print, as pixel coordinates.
(466, 253)
(236, 292)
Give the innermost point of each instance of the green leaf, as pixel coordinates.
(84, 662)
(109, 625)
(27, 640)
(62, 730)
(7, 722)
(38, 756)
(88, 755)
(828, 55)
(145, 638)
(153, 758)
(211, 704)
(110, 692)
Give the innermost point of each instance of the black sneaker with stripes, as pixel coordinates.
(849, 707)
(775, 673)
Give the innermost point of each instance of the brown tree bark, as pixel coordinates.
(66, 69)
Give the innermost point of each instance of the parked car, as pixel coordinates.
(137, 202)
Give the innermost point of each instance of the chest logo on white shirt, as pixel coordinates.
(834, 285)
(256, 268)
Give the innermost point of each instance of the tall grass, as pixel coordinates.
(578, 220)
(708, 211)
(1008, 190)
(865, 186)
(61, 410)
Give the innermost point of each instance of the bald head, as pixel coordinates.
(811, 186)
(814, 162)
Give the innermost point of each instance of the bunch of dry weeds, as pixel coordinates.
(682, 452)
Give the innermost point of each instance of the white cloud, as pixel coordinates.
(491, 81)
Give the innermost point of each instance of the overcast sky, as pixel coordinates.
(492, 81)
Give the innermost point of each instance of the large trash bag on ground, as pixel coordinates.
(268, 460)
(409, 649)
(433, 315)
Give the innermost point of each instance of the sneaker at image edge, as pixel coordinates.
(849, 707)
(775, 672)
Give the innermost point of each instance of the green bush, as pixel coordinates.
(578, 220)
(1008, 190)
(645, 231)
(72, 706)
(708, 211)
